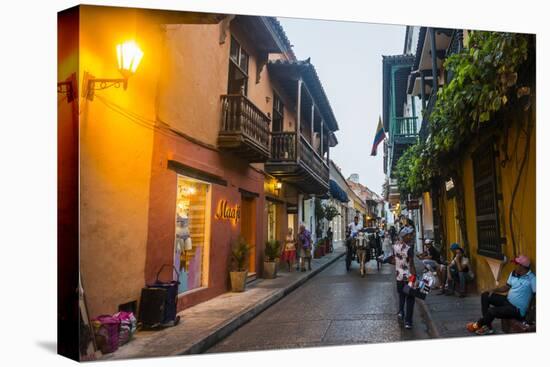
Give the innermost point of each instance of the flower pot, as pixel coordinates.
(238, 280)
(270, 269)
(327, 246)
(316, 253)
(322, 250)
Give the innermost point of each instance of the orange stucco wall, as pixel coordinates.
(116, 145)
(124, 147)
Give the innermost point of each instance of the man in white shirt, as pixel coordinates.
(354, 227)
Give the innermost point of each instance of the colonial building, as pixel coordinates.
(372, 214)
(399, 116)
(490, 208)
(340, 199)
(219, 132)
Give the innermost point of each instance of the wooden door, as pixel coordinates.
(248, 229)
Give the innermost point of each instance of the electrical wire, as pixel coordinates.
(516, 186)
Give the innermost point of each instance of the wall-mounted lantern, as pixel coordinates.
(129, 56)
(68, 88)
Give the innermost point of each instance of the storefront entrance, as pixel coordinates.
(192, 203)
(248, 229)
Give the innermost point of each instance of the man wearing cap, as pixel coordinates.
(403, 252)
(430, 257)
(521, 286)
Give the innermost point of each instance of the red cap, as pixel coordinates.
(522, 260)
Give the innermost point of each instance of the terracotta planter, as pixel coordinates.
(316, 253)
(238, 280)
(270, 269)
(322, 250)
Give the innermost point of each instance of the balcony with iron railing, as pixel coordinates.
(244, 129)
(404, 130)
(403, 134)
(296, 161)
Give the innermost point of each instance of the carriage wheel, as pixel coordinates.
(348, 259)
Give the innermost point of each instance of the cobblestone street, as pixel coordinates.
(333, 308)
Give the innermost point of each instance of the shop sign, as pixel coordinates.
(226, 211)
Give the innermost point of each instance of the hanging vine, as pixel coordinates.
(485, 81)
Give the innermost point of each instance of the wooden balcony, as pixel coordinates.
(298, 164)
(244, 129)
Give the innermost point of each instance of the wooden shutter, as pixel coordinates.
(488, 231)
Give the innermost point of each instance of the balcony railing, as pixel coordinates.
(244, 128)
(298, 163)
(405, 127)
(283, 146)
(312, 160)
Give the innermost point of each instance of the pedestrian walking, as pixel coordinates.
(304, 246)
(289, 252)
(405, 271)
(393, 234)
(330, 236)
(386, 245)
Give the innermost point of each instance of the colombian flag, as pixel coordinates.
(379, 137)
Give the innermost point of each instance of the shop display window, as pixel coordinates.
(191, 239)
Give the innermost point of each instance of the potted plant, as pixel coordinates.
(317, 252)
(322, 248)
(239, 256)
(272, 251)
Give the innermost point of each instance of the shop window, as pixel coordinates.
(278, 114)
(271, 221)
(192, 237)
(488, 232)
(238, 69)
(291, 219)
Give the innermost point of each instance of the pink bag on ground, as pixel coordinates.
(128, 325)
(106, 330)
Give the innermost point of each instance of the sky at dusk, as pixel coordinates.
(348, 60)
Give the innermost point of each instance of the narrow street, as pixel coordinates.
(333, 308)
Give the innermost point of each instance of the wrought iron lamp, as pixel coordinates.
(129, 56)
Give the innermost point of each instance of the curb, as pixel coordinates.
(233, 324)
(432, 327)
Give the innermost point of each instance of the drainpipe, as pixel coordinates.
(423, 90)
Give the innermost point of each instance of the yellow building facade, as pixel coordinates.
(493, 269)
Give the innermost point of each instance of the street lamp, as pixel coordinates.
(129, 56)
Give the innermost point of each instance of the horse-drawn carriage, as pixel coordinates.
(363, 246)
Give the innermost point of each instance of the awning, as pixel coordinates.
(337, 192)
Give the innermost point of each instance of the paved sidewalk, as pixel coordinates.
(205, 324)
(447, 316)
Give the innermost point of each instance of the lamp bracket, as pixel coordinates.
(68, 87)
(92, 84)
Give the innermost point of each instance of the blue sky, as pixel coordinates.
(348, 59)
